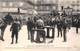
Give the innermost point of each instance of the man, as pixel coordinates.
(30, 25)
(69, 23)
(64, 29)
(34, 20)
(77, 24)
(53, 25)
(53, 29)
(59, 27)
(15, 29)
(49, 23)
(8, 18)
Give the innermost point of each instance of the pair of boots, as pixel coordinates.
(1, 38)
(13, 41)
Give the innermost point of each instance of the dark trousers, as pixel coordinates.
(16, 36)
(32, 36)
(48, 30)
(53, 33)
(77, 30)
(29, 34)
(2, 33)
(59, 32)
(64, 35)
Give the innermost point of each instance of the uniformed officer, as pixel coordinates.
(8, 18)
(15, 29)
(64, 26)
(59, 27)
(53, 29)
(29, 27)
(77, 25)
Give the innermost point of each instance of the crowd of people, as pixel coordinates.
(38, 24)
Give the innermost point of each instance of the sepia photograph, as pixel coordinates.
(39, 24)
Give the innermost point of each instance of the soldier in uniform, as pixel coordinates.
(53, 29)
(34, 20)
(15, 29)
(59, 27)
(77, 24)
(8, 18)
(64, 26)
(29, 27)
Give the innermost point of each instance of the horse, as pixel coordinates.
(3, 25)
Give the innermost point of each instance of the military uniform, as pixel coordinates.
(77, 25)
(64, 30)
(59, 27)
(53, 29)
(15, 29)
(30, 25)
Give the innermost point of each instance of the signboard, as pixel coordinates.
(8, 10)
(68, 11)
(12, 10)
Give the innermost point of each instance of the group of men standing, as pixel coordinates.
(15, 27)
(38, 23)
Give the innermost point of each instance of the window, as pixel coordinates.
(10, 4)
(21, 4)
(4, 4)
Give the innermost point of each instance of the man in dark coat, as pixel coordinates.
(8, 18)
(53, 30)
(59, 27)
(77, 22)
(15, 29)
(64, 30)
(30, 26)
